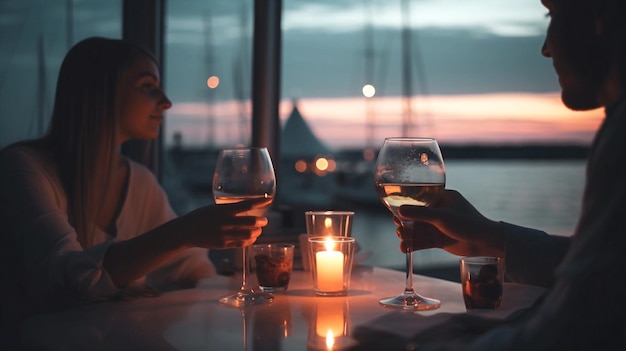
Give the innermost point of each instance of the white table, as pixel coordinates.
(194, 320)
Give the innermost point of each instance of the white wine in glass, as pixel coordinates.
(244, 174)
(409, 171)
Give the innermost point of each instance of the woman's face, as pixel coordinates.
(141, 102)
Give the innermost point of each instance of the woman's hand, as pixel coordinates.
(214, 227)
(223, 226)
(452, 224)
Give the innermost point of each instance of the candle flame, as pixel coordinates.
(330, 340)
(330, 245)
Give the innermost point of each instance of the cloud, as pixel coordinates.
(459, 47)
(509, 18)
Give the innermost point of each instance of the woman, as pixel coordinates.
(80, 221)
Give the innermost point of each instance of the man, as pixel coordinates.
(585, 308)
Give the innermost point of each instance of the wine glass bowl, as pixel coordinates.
(409, 171)
(244, 174)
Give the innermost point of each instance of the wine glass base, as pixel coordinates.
(410, 302)
(246, 298)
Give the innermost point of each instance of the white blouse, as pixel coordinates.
(43, 264)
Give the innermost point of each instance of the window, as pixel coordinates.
(436, 71)
(34, 38)
(471, 80)
(208, 47)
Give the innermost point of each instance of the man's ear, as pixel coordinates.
(606, 16)
(601, 25)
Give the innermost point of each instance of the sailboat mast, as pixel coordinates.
(69, 11)
(41, 91)
(407, 75)
(369, 74)
(239, 76)
(210, 65)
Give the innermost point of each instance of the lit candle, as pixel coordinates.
(329, 266)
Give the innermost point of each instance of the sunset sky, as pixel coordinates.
(341, 123)
(478, 75)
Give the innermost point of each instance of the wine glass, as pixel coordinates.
(244, 174)
(409, 171)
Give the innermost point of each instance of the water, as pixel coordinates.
(544, 195)
(540, 194)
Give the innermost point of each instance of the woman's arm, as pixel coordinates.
(214, 226)
(51, 266)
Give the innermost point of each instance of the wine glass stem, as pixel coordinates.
(245, 270)
(408, 289)
(409, 272)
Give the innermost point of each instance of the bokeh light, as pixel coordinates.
(368, 90)
(213, 82)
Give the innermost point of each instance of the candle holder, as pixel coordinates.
(482, 281)
(323, 223)
(320, 223)
(331, 264)
(273, 264)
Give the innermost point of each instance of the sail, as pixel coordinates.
(298, 140)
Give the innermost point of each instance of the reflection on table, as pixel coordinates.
(297, 319)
